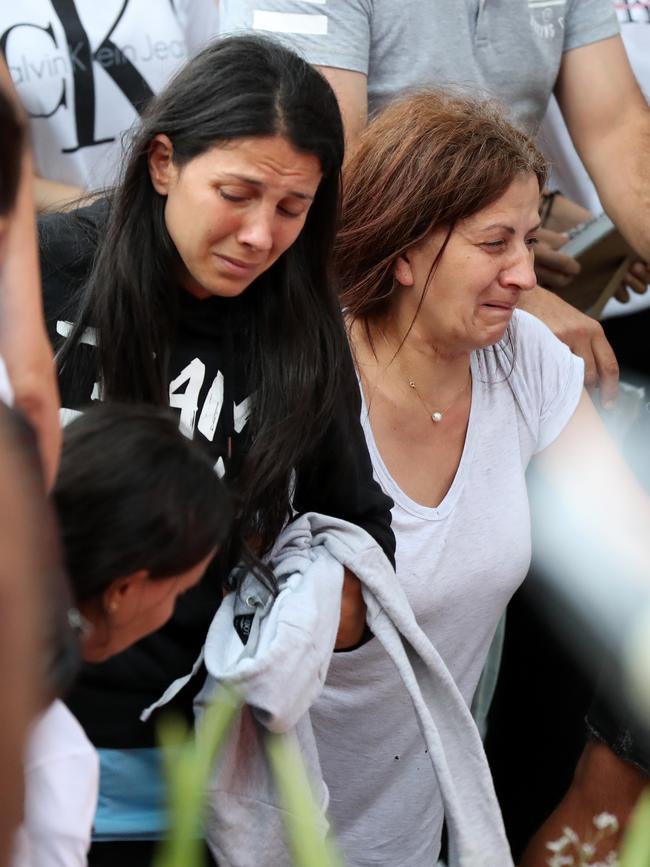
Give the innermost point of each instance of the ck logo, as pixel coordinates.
(73, 65)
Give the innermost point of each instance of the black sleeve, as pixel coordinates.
(337, 478)
(67, 247)
(619, 728)
(67, 243)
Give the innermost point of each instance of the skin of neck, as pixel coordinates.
(438, 369)
(98, 643)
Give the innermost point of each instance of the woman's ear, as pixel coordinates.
(402, 271)
(161, 165)
(123, 594)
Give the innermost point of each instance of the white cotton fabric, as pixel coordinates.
(61, 785)
(76, 68)
(458, 564)
(280, 671)
(6, 391)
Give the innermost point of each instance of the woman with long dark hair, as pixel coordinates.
(203, 281)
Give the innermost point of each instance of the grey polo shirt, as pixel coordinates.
(507, 49)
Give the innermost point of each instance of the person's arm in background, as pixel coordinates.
(55, 196)
(609, 123)
(23, 340)
(351, 89)
(603, 782)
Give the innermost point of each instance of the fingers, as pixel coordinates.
(622, 294)
(547, 238)
(607, 369)
(641, 270)
(554, 260)
(583, 335)
(638, 277)
(551, 279)
(554, 268)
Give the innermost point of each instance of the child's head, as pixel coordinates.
(141, 513)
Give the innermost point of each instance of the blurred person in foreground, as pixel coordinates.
(20, 490)
(24, 345)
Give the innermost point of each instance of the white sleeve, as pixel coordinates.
(547, 379)
(335, 33)
(6, 391)
(199, 20)
(61, 786)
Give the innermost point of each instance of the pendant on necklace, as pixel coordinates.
(436, 416)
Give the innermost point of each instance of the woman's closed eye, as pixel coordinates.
(291, 213)
(233, 197)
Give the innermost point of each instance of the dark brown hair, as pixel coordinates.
(428, 160)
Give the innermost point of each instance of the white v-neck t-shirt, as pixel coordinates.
(459, 564)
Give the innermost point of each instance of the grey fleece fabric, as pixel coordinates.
(281, 670)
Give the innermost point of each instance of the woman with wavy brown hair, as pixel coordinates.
(461, 390)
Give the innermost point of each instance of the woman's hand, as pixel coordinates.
(353, 613)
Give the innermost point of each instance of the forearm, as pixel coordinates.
(54, 196)
(352, 625)
(603, 783)
(622, 173)
(609, 122)
(23, 340)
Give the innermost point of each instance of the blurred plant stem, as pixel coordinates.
(635, 851)
(189, 760)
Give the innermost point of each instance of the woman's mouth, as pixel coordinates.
(237, 267)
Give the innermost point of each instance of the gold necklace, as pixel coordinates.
(437, 415)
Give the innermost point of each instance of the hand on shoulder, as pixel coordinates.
(583, 335)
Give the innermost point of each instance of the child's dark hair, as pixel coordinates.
(134, 493)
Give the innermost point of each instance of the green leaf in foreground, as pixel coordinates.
(635, 851)
(189, 758)
(302, 815)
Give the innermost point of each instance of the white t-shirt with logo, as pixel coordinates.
(459, 565)
(568, 172)
(61, 785)
(83, 68)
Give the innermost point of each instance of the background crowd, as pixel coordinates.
(207, 186)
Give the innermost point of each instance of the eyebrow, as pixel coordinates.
(255, 183)
(509, 229)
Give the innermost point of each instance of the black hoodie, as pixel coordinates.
(207, 385)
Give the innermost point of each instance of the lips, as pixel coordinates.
(499, 306)
(238, 263)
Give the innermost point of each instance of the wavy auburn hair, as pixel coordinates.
(428, 160)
